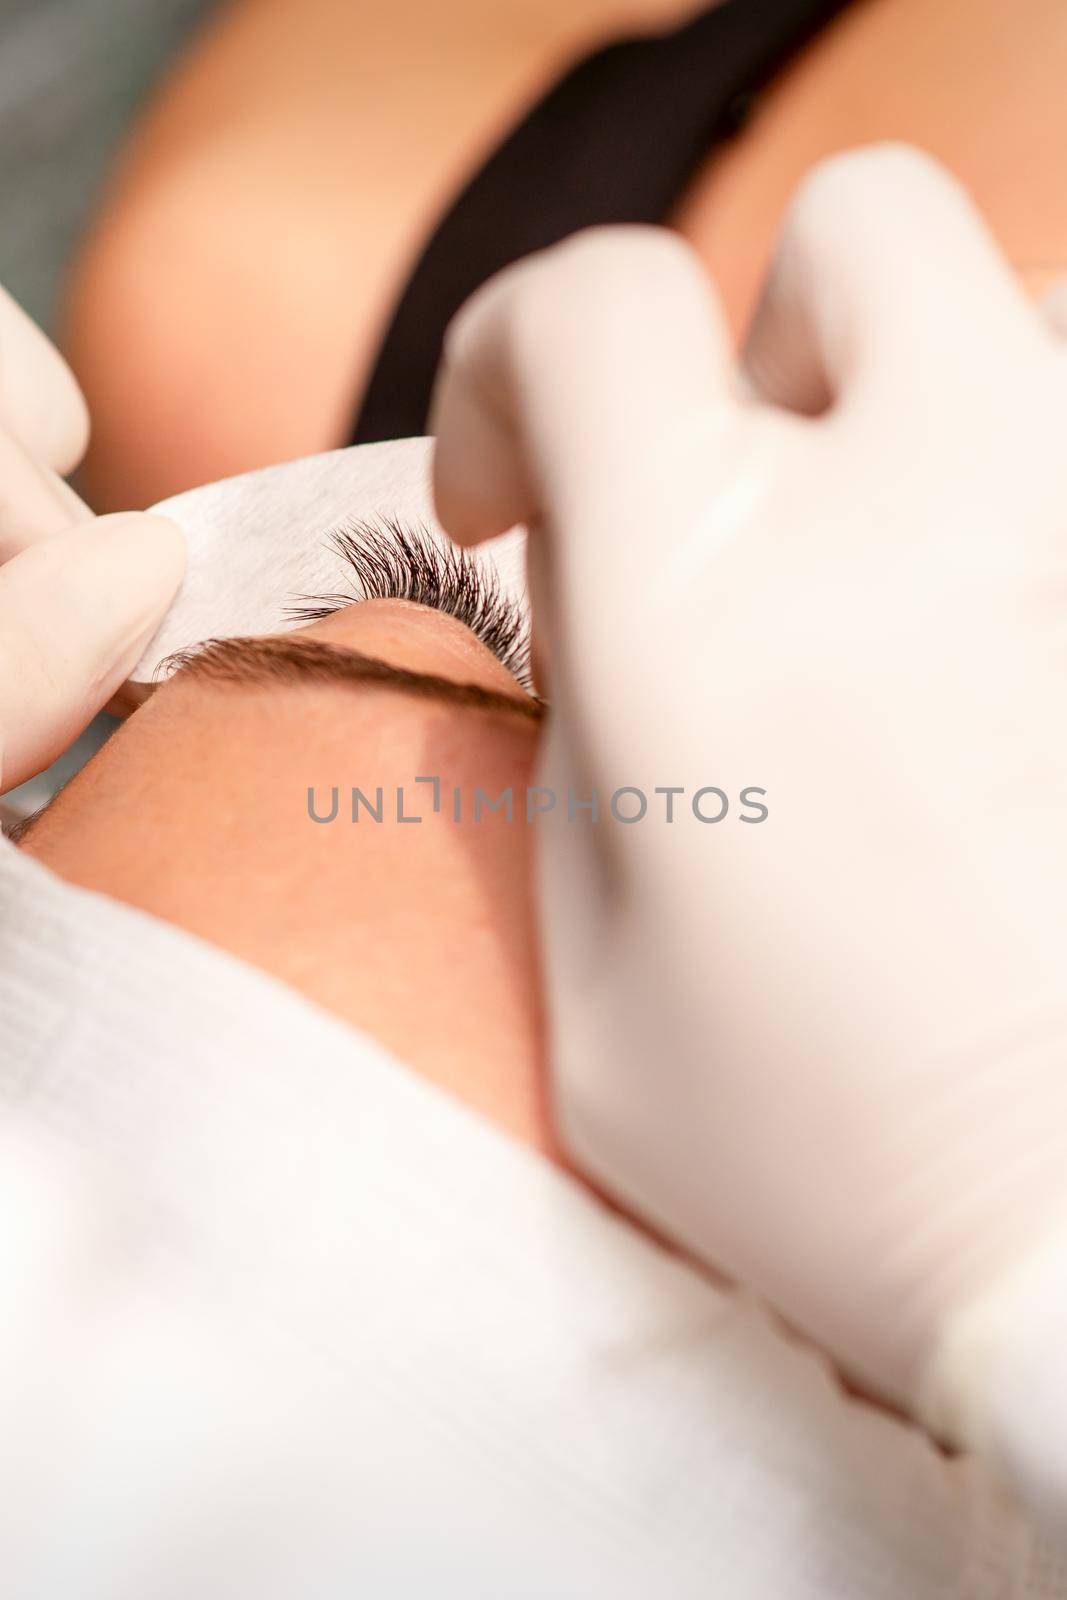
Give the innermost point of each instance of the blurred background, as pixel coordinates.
(72, 72)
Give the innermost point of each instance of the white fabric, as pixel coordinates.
(281, 1320)
(259, 541)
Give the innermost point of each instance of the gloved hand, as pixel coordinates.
(826, 1051)
(79, 597)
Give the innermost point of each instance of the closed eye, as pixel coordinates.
(388, 560)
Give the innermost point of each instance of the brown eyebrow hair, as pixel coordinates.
(291, 659)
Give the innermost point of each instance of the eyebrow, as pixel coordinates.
(263, 662)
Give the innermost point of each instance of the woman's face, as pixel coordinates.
(420, 933)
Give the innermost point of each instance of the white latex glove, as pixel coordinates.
(79, 597)
(828, 1052)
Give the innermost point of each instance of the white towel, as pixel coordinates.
(279, 1319)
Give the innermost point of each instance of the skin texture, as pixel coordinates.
(227, 302)
(421, 935)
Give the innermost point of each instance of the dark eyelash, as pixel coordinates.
(389, 560)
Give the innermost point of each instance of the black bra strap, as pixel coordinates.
(616, 140)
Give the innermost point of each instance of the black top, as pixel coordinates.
(616, 140)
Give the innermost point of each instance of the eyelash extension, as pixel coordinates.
(389, 560)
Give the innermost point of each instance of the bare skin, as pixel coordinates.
(227, 303)
(977, 83)
(419, 934)
(267, 208)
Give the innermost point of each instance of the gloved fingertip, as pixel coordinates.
(70, 436)
(479, 488)
(1053, 308)
(1026, 1408)
(41, 402)
(149, 550)
(999, 1384)
(118, 574)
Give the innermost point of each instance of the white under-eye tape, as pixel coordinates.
(260, 542)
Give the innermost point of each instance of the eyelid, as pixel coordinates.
(390, 560)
